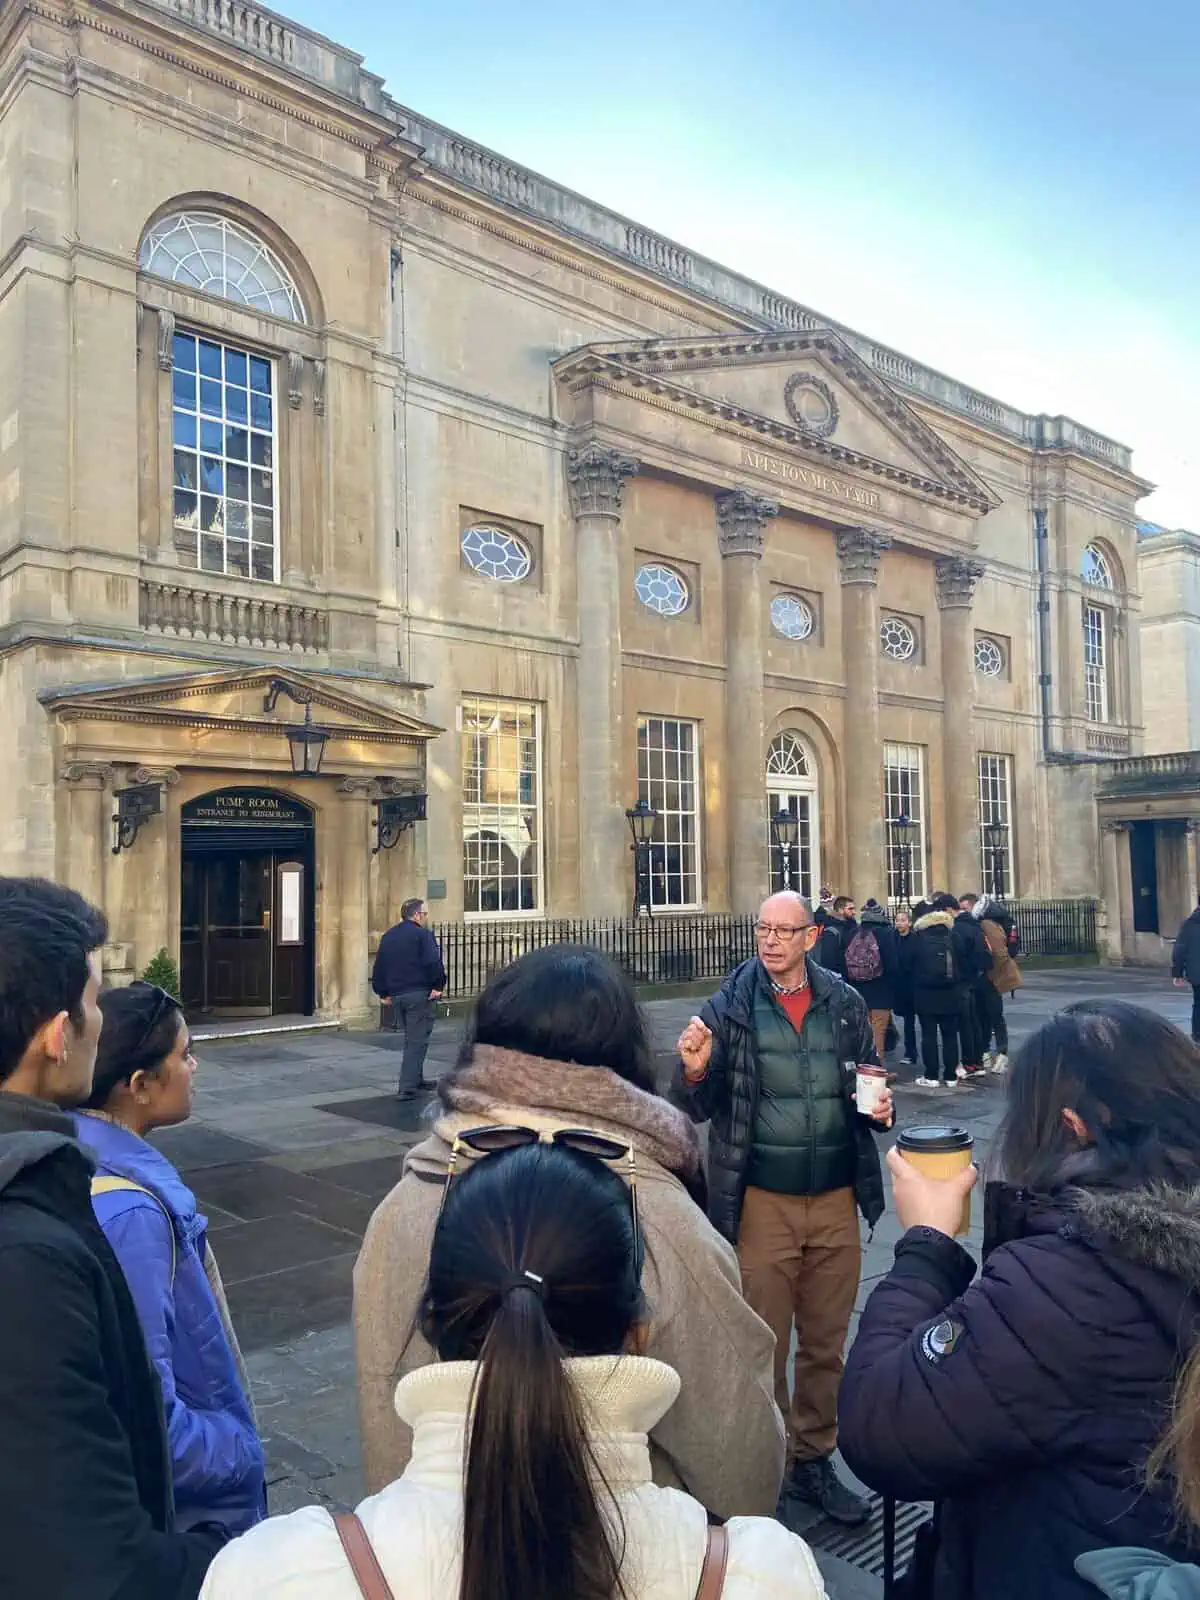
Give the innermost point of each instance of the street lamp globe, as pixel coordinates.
(785, 825)
(642, 818)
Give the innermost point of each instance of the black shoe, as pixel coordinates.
(405, 1095)
(817, 1484)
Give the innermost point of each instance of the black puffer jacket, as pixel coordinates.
(728, 1095)
(1028, 1402)
(1185, 958)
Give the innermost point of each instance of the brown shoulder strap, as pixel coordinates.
(712, 1578)
(362, 1558)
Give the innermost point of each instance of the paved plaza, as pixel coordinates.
(296, 1138)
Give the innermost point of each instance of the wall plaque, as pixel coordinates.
(248, 808)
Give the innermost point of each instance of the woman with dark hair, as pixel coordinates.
(143, 1081)
(557, 1042)
(532, 1303)
(1029, 1403)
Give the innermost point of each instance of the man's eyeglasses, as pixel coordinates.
(764, 930)
(490, 1141)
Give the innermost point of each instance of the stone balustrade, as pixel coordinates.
(182, 611)
(1150, 775)
(1108, 744)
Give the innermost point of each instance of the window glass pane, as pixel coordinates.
(501, 807)
(996, 824)
(228, 487)
(668, 781)
(904, 798)
(204, 250)
(184, 352)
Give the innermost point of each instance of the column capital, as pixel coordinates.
(956, 579)
(596, 478)
(87, 774)
(167, 776)
(742, 520)
(359, 788)
(1116, 827)
(859, 552)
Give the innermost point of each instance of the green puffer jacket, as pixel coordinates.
(730, 1094)
(801, 1141)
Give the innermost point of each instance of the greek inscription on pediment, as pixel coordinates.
(809, 478)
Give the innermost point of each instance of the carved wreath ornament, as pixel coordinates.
(810, 404)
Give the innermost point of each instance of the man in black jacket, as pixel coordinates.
(789, 1157)
(409, 976)
(85, 1479)
(975, 962)
(836, 933)
(1185, 965)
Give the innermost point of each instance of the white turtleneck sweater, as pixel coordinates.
(415, 1524)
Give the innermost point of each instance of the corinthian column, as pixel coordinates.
(859, 553)
(956, 580)
(741, 524)
(596, 477)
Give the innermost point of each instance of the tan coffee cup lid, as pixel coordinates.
(935, 1137)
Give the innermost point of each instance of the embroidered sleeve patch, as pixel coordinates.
(941, 1340)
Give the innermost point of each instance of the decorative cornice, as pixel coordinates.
(596, 477)
(859, 553)
(742, 520)
(956, 579)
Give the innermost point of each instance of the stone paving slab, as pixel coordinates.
(288, 1174)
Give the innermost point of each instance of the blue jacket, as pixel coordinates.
(408, 961)
(1027, 1403)
(216, 1456)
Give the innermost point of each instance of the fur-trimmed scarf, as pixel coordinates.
(496, 1078)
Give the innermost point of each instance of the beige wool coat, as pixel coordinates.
(723, 1440)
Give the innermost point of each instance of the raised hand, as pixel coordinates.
(695, 1050)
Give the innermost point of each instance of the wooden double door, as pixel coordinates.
(246, 933)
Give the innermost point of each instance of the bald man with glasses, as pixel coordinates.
(769, 1063)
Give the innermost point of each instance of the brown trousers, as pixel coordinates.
(879, 1027)
(800, 1257)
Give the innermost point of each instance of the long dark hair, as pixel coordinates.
(1133, 1079)
(533, 1528)
(565, 1002)
(141, 1025)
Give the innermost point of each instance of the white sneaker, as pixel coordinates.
(926, 1083)
(999, 1063)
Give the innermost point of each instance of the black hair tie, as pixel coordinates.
(523, 1279)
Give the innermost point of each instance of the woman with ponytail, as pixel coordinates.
(530, 1475)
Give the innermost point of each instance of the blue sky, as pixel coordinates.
(1006, 191)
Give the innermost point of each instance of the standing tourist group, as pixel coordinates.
(593, 1365)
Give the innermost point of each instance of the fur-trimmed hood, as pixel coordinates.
(933, 919)
(1157, 1227)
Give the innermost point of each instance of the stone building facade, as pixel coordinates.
(309, 406)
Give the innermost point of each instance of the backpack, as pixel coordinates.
(863, 961)
(934, 966)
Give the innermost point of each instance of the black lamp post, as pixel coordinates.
(995, 842)
(906, 836)
(306, 742)
(785, 834)
(642, 819)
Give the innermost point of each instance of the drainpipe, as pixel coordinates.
(1040, 540)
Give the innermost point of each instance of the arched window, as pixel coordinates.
(1096, 569)
(792, 786)
(204, 250)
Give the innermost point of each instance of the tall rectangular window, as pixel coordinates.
(502, 808)
(995, 824)
(668, 780)
(1095, 662)
(904, 802)
(226, 484)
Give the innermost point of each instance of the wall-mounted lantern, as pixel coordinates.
(306, 741)
(393, 815)
(135, 805)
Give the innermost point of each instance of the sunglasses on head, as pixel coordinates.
(491, 1140)
(163, 1002)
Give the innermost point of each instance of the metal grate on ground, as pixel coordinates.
(863, 1547)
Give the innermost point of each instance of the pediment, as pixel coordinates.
(809, 391)
(236, 700)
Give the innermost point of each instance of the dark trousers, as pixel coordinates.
(413, 1014)
(910, 1036)
(1196, 1012)
(946, 1025)
(994, 1024)
(972, 1024)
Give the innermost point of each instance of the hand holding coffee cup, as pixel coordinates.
(871, 1097)
(932, 1178)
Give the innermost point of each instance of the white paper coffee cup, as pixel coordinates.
(870, 1085)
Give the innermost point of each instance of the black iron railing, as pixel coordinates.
(700, 948)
